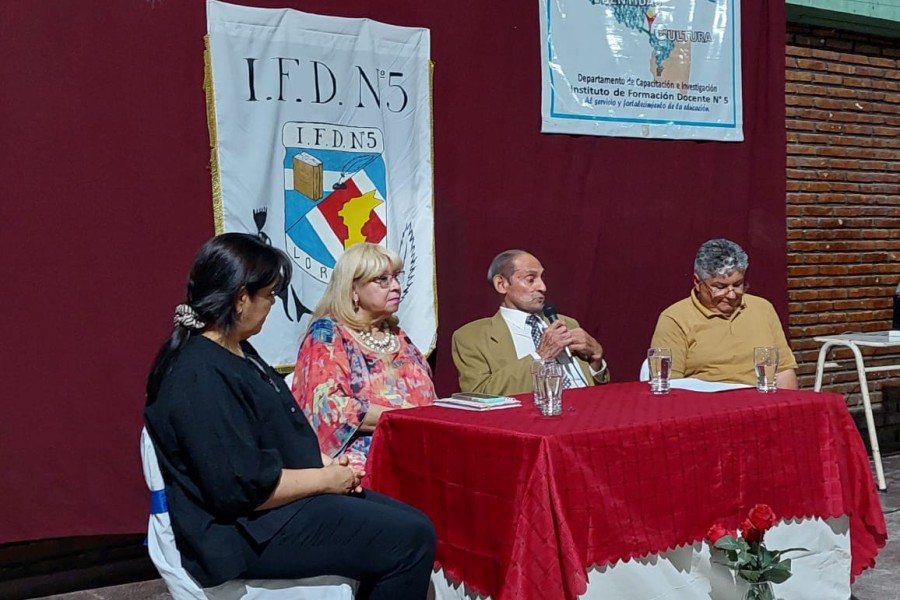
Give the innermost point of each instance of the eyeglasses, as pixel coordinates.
(718, 290)
(384, 281)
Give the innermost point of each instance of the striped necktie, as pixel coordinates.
(536, 331)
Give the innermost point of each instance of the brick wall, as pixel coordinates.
(843, 194)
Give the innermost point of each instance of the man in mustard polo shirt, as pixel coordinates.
(712, 333)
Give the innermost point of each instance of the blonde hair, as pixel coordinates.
(361, 263)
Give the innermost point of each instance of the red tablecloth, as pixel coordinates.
(524, 504)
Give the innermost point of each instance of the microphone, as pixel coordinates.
(550, 313)
(552, 316)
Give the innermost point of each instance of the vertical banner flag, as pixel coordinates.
(321, 133)
(642, 68)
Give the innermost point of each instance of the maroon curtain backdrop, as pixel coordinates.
(107, 197)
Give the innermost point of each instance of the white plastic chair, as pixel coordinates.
(165, 556)
(645, 371)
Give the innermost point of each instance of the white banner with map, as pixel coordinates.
(321, 131)
(642, 68)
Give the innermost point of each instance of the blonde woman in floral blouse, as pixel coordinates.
(355, 362)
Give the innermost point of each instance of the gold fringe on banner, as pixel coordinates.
(433, 220)
(209, 89)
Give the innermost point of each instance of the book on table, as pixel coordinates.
(475, 401)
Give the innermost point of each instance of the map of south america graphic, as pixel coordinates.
(642, 68)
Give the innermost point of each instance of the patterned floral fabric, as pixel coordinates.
(337, 378)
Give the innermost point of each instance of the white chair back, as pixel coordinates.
(165, 556)
(645, 371)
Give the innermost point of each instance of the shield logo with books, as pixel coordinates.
(334, 192)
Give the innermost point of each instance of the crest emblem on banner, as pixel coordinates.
(335, 192)
(321, 132)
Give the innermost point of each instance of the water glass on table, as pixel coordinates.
(552, 386)
(765, 362)
(537, 381)
(660, 362)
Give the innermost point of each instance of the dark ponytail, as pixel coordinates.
(225, 265)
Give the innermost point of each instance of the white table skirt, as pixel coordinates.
(686, 573)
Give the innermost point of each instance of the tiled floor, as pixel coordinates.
(879, 583)
(145, 590)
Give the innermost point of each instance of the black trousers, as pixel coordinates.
(386, 545)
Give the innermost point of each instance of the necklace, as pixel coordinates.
(390, 343)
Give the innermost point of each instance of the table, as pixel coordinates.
(524, 504)
(853, 341)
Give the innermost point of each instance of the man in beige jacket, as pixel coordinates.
(494, 355)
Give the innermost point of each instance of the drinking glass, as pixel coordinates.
(552, 379)
(537, 381)
(765, 362)
(660, 362)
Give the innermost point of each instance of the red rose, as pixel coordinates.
(750, 533)
(762, 517)
(717, 532)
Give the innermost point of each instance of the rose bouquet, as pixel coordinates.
(748, 556)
